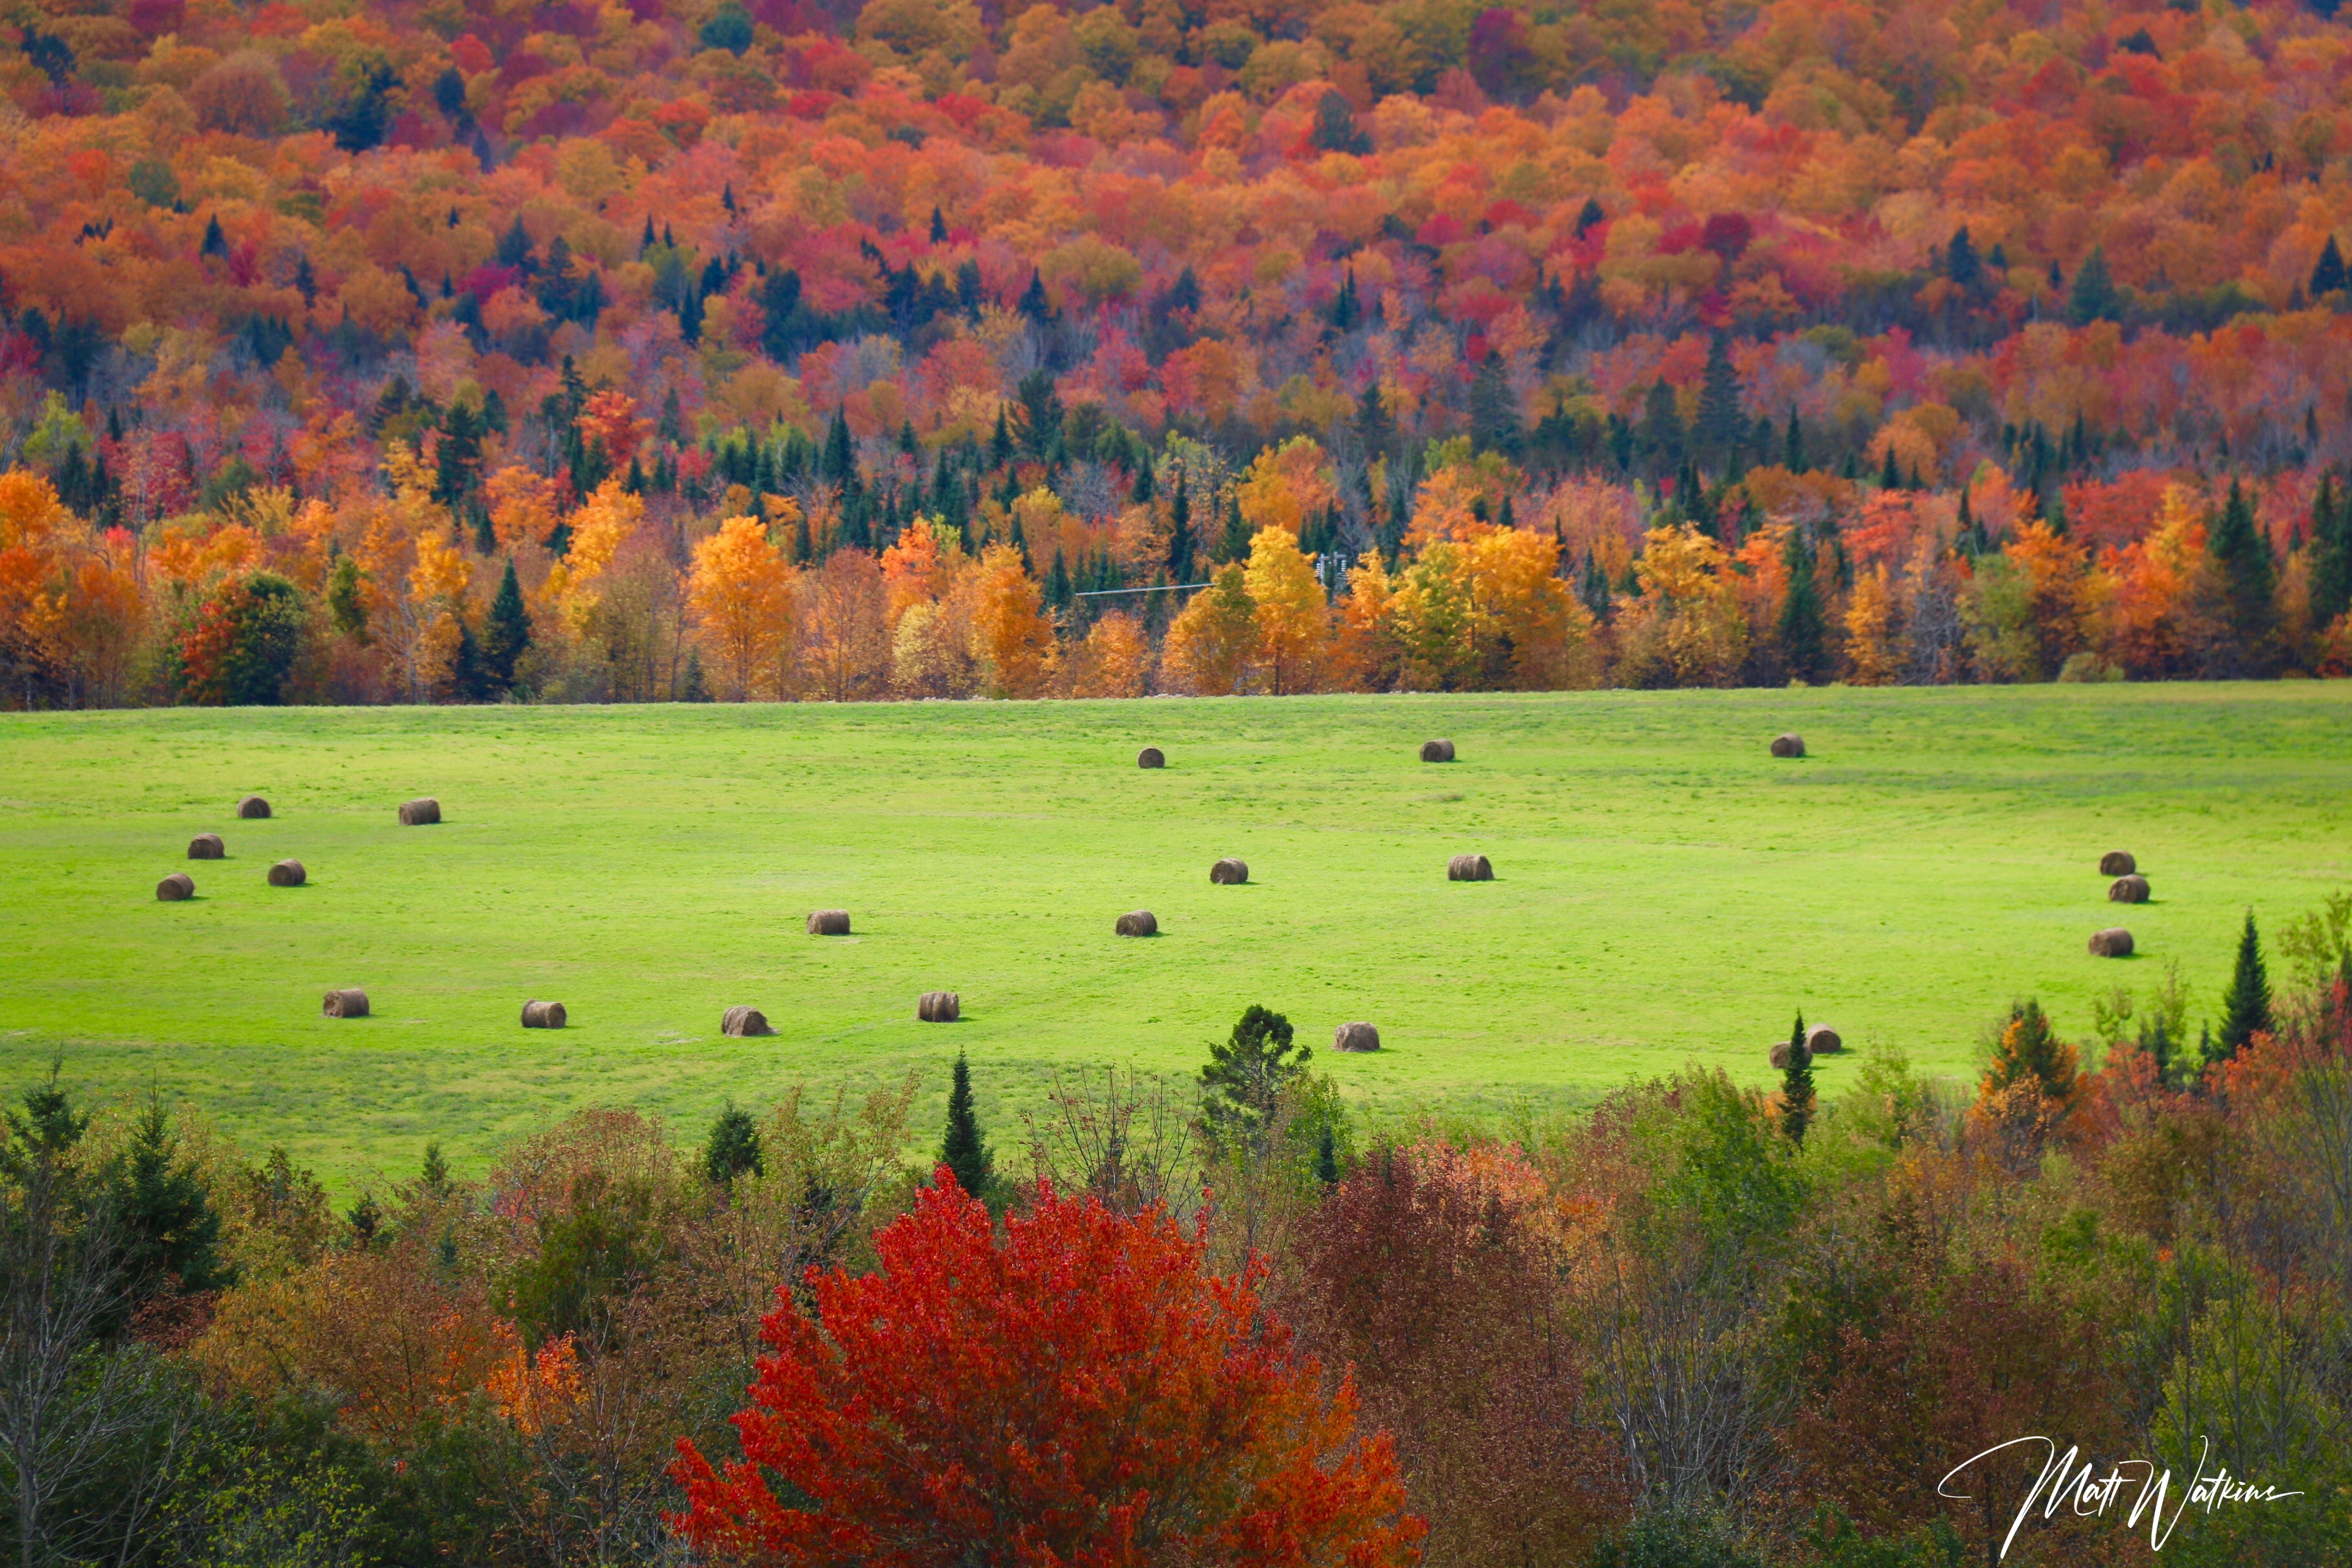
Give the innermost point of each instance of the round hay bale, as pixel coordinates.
(1469, 869)
(2113, 943)
(253, 805)
(1821, 1041)
(829, 922)
(1151, 757)
(419, 813)
(1137, 922)
(938, 1008)
(2118, 863)
(177, 886)
(206, 846)
(1356, 1037)
(1781, 1054)
(744, 1022)
(1788, 745)
(346, 1003)
(2131, 889)
(544, 1015)
(286, 874)
(1437, 751)
(1227, 873)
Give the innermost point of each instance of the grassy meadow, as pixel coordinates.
(1665, 891)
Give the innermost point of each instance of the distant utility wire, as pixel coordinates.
(1155, 588)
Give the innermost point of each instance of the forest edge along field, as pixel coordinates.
(1665, 890)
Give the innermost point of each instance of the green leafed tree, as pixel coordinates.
(732, 1148)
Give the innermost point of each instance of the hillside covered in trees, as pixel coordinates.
(444, 350)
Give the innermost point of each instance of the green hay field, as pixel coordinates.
(1665, 890)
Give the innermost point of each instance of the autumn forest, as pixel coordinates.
(458, 351)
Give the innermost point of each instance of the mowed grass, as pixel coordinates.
(1666, 891)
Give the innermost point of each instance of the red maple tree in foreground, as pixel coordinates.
(1079, 1390)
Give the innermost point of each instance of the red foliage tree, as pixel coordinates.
(1079, 1390)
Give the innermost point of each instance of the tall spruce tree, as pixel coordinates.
(1180, 544)
(1797, 1085)
(2249, 576)
(1234, 544)
(1960, 263)
(170, 1233)
(2246, 1006)
(2094, 297)
(1793, 447)
(506, 632)
(732, 1148)
(2329, 277)
(2331, 552)
(963, 1152)
(1801, 630)
(1493, 410)
(1721, 419)
(1242, 1087)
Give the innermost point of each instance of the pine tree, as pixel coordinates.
(939, 227)
(2331, 553)
(1179, 533)
(1797, 1085)
(1889, 476)
(2029, 1048)
(1793, 454)
(1720, 417)
(732, 1148)
(1661, 435)
(434, 1179)
(2094, 297)
(1493, 410)
(962, 1152)
(2250, 579)
(1327, 1158)
(1000, 445)
(505, 634)
(1960, 263)
(1033, 301)
(2246, 1006)
(168, 1233)
(1057, 583)
(1373, 426)
(1242, 1087)
(693, 686)
(839, 463)
(1235, 543)
(2329, 277)
(1802, 629)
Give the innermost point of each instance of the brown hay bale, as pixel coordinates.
(206, 846)
(1821, 1041)
(544, 1015)
(286, 874)
(1229, 873)
(2118, 863)
(2113, 943)
(1788, 745)
(1356, 1037)
(744, 1022)
(1151, 757)
(1469, 869)
(1437, 751)
(938, 1008)
(1139, 922)
(253, 805)
(2131, 889)
(346, 1003)
(177, 886)
(829, 922)
(419, 813)
(1781, 1054)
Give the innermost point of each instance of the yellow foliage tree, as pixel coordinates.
(740, 594)
(1115, 660)
(1012, 638)
(1210, 640)
(1293, 622)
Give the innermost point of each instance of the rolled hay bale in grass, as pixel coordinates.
(938, 1008)
(177, 886)
(286, 874)
(829, 922)
(1356, 1037)
(1437, 751)
(1788, 745)
(1469, 869)
(2118, 863)
(1228, 872)
(253, 805)
(2113, 943)
(1780, 1053)
(350, 1003)
(2131, 889)
(1821, 1041)
(206, 846)
(744, 1022)
(419, 813)
(544, 1015)
(1137, 922)
(1151, 757)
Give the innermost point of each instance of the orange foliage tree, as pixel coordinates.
(1077, 1390)
(740, 594)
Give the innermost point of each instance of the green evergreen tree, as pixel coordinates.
(1802, 629)
(1241, 1086)
(1373, 426)
(1659, 436)
(506, 634)
(2246, 1004)
(1797, 1085)
(732, 1148)
(2329, 277)
(1493, 410)
(1721, 419)
(1000, 445)
(2249, 577)
(1234, 544)
(694, 687)
(939, 227)
(1180, 544)
(1960, 263)
(170, 1233)
(2331, 552)
(1327, 1158)
(1794, 451)
(434, 1179)
(1889, 476)
(962, 1152)
(2094, 297)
